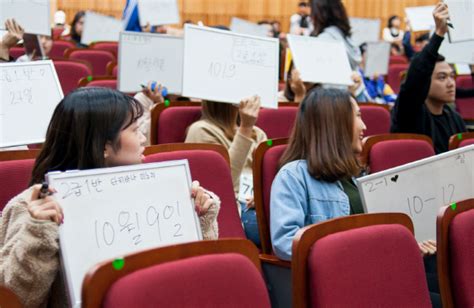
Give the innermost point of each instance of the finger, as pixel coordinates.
(422, 249)
(206, 206)
(433, 242)
(35, 192)
(430, 249)
(204, 198)
(197, 199)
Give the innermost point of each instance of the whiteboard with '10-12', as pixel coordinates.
(145, 57)
(420, 188)
(227, 67)
(29, 92)
(112, 212)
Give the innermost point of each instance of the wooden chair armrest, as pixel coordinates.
(271, 259)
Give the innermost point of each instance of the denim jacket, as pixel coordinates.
(297, 200)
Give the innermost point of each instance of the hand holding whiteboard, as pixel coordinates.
(29, 92)
(112, 212)
(32, 15)
(145, 57)
(377, 59)
(223, 66)
(158, 12)
(99, 27)
(320, 61)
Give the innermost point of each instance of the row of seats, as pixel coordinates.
(228, 272)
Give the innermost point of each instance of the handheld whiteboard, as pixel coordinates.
(461, 15)
(29, 92)
(320, 61)
(224, 66)
(462, 52)
(33, 46)
(111, 212)
(246, 27)
(421, 17)
(145, 57)
(420, 188)
(158, 12)
(99, 27)
(365, 30)
(32, 15)
(377, 58)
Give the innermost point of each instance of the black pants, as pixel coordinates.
(432, 279)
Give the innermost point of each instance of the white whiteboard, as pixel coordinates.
(224, 66)
(462, 52)
(246, 27)
(320, 61)
(377, 58)
(29, 92)
(99, 27)
(158, 12)
(365, 30)
(421, 17)
(112, 212)
(145, 57)
(420, 188)
(461, 14)
(32, 15)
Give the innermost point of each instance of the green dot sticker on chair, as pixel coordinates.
(269, 142)
(167, 102)
(453, 206)
(460, 136)
(89, 78)
(118, 264)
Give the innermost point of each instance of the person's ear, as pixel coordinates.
(107, 150)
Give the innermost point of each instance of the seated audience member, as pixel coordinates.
(220, 125)
(393, 33)
(90, 128)
(301, 23)
(376, 89)
(46, 43)
(422, 104)
(420, 43)
(10, 39)
(77, 26)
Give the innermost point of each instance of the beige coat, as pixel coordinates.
(240, 149)
(29, 253)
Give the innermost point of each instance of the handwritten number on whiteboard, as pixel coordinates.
(178, 230)
(152, 218)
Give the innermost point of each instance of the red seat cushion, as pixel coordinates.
(69, 74)
(213, 173)
(466, 142)
(218, 280)
(377, 120)
(111, 84)
(393, 77)
(375, 266)
(14, 178)
(59, 47)
(392, 153)
(277, 123)
(461, 256)
(174, 122)
(98, 59)
(109, 46)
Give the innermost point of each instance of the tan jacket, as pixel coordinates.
(29, 253)
(240, 149)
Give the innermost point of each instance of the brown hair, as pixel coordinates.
(323, 135)
(222, 115)
(328, 13)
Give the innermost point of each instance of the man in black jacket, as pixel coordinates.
(421, 106)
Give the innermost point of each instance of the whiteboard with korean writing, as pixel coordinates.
(462, 52)
(32, 15)
(461, 15)
(246, 27)
(420, 188)
(29, 92)
(320, 61)
(224, 66)
(158, 12)
(112, 212)
(99, 27)
(421, 17)
(145, 57)
(377, 58)
(365, 30)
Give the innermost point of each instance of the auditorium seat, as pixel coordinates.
(105, 45)
(112, 68)
(376, 118)
(455, 241)
(59, 47)
(224, 273)
(394, 75)
(99, 81)
(70, 72)
(461, 140)
(97, 58)
(278, 123)
(369, 260)
(16, 52)
(465, 106)
(381, 152)
(209, 164)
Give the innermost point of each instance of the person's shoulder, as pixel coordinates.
(295, 168)
(202, 124)
(18, 202)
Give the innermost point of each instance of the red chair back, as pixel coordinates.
(109, 46)
(265, 167)
(14, 178)
(376, 117)
(173, 276)
(99, 81)
(16, 52)
(394, 75)
(455, 230)
(59, 47)
(216, 179)
(70, 73)
(461, 140)
(97, 58)
(465, 106)
(278, 123)
(398, 60)
(378, 258)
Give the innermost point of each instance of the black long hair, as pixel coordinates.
(74, 35)
(328, 13)
(82, 124)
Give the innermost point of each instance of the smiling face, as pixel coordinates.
(359, 128)
(131, 141)
(443, 84)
